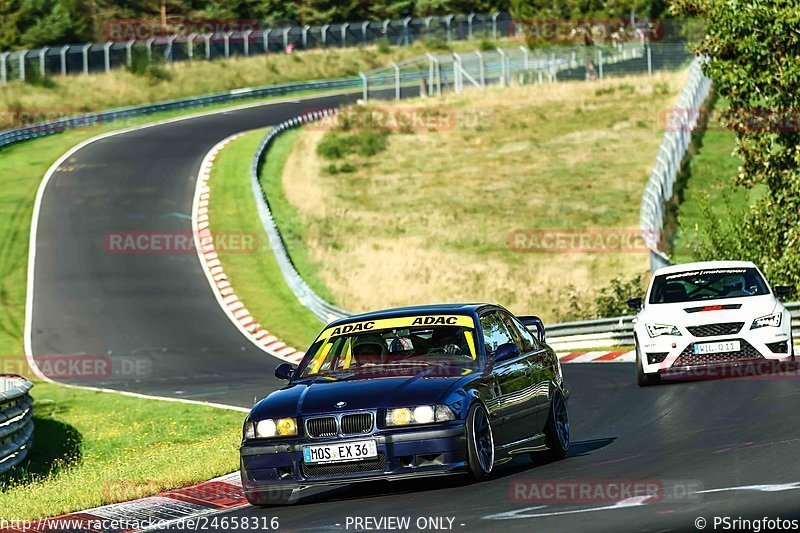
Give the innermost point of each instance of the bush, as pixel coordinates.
(338, 145)
(612, 300)
(437, 42)
(487, 46)
(383, 46)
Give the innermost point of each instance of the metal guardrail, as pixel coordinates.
(250, 38)
(8, 137)
(16, 421)
(680, 124)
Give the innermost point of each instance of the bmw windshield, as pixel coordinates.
(711, 284)
(400, 346)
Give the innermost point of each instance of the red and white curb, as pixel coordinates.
(197, 502)
(220, 285)
(621, 356)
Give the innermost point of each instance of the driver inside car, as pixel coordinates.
(448, 340)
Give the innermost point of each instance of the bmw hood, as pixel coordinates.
(321, 395)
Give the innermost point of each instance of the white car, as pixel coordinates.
(698, 317)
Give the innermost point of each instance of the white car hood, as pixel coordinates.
(751, 308)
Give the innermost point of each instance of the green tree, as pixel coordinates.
(753, 51)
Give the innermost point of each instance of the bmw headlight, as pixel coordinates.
(657, 330)
(773, 320)
(421, 414)
(269, 427)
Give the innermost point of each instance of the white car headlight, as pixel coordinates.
(267, 428)
(773, 320)
(421, 414)
(657, 330)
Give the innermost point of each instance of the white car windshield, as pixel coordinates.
(711, 284)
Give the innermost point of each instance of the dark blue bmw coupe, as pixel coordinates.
(406, 393)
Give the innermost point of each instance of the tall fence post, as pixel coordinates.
(600, 63)
(494, 25)
(364, 26)
(324, 35)
(149, 44)
(469, 24)
(207, 39)
(481, 69)
(107, 56)
(503, 68)
(457, 73)
(448, 20)
(406, 33)
(42, 66)
(85, 54)
(305, 35)
(649, 60)
(190, 45)
(226, 40)
(526, 58)
(169, 53)
(344, 34)
(21, 57)
(129, 53)
(246, 35)
(286, 38)
(4, 67)
(62, 53)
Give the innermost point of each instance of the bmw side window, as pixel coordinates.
(495, 332)
(527, 342)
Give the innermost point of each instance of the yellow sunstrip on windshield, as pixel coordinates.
(394, 323)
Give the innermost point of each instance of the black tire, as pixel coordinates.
(480, 443)
(643, 379)
(556, 430)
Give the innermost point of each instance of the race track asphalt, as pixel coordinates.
(158, 308)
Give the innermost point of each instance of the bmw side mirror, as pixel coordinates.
(505, 351)
(285, 371)
(783, 291)
(635, 303)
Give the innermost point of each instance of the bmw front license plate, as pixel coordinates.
(343, 451)
(717, 347)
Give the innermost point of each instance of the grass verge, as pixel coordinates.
(429, 217)
(94, 448)
(255, 276)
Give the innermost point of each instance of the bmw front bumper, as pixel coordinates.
(271, 467)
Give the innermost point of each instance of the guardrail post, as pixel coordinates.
(149, 44)
(246, 35)
(324, 35)
(85, 54)
(343, 31)
(448, 21)
(365, 91)
(129, 53)
(190, 45)
(42, 53)
(396, 80)
(4, 67)
(469, 25)
(494, 25)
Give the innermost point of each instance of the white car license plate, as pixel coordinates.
(717, 347)
(341, 451)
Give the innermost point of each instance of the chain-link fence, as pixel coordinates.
(254, 40)
(431, 74)
(679, 125)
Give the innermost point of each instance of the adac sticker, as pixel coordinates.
(402, 322)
